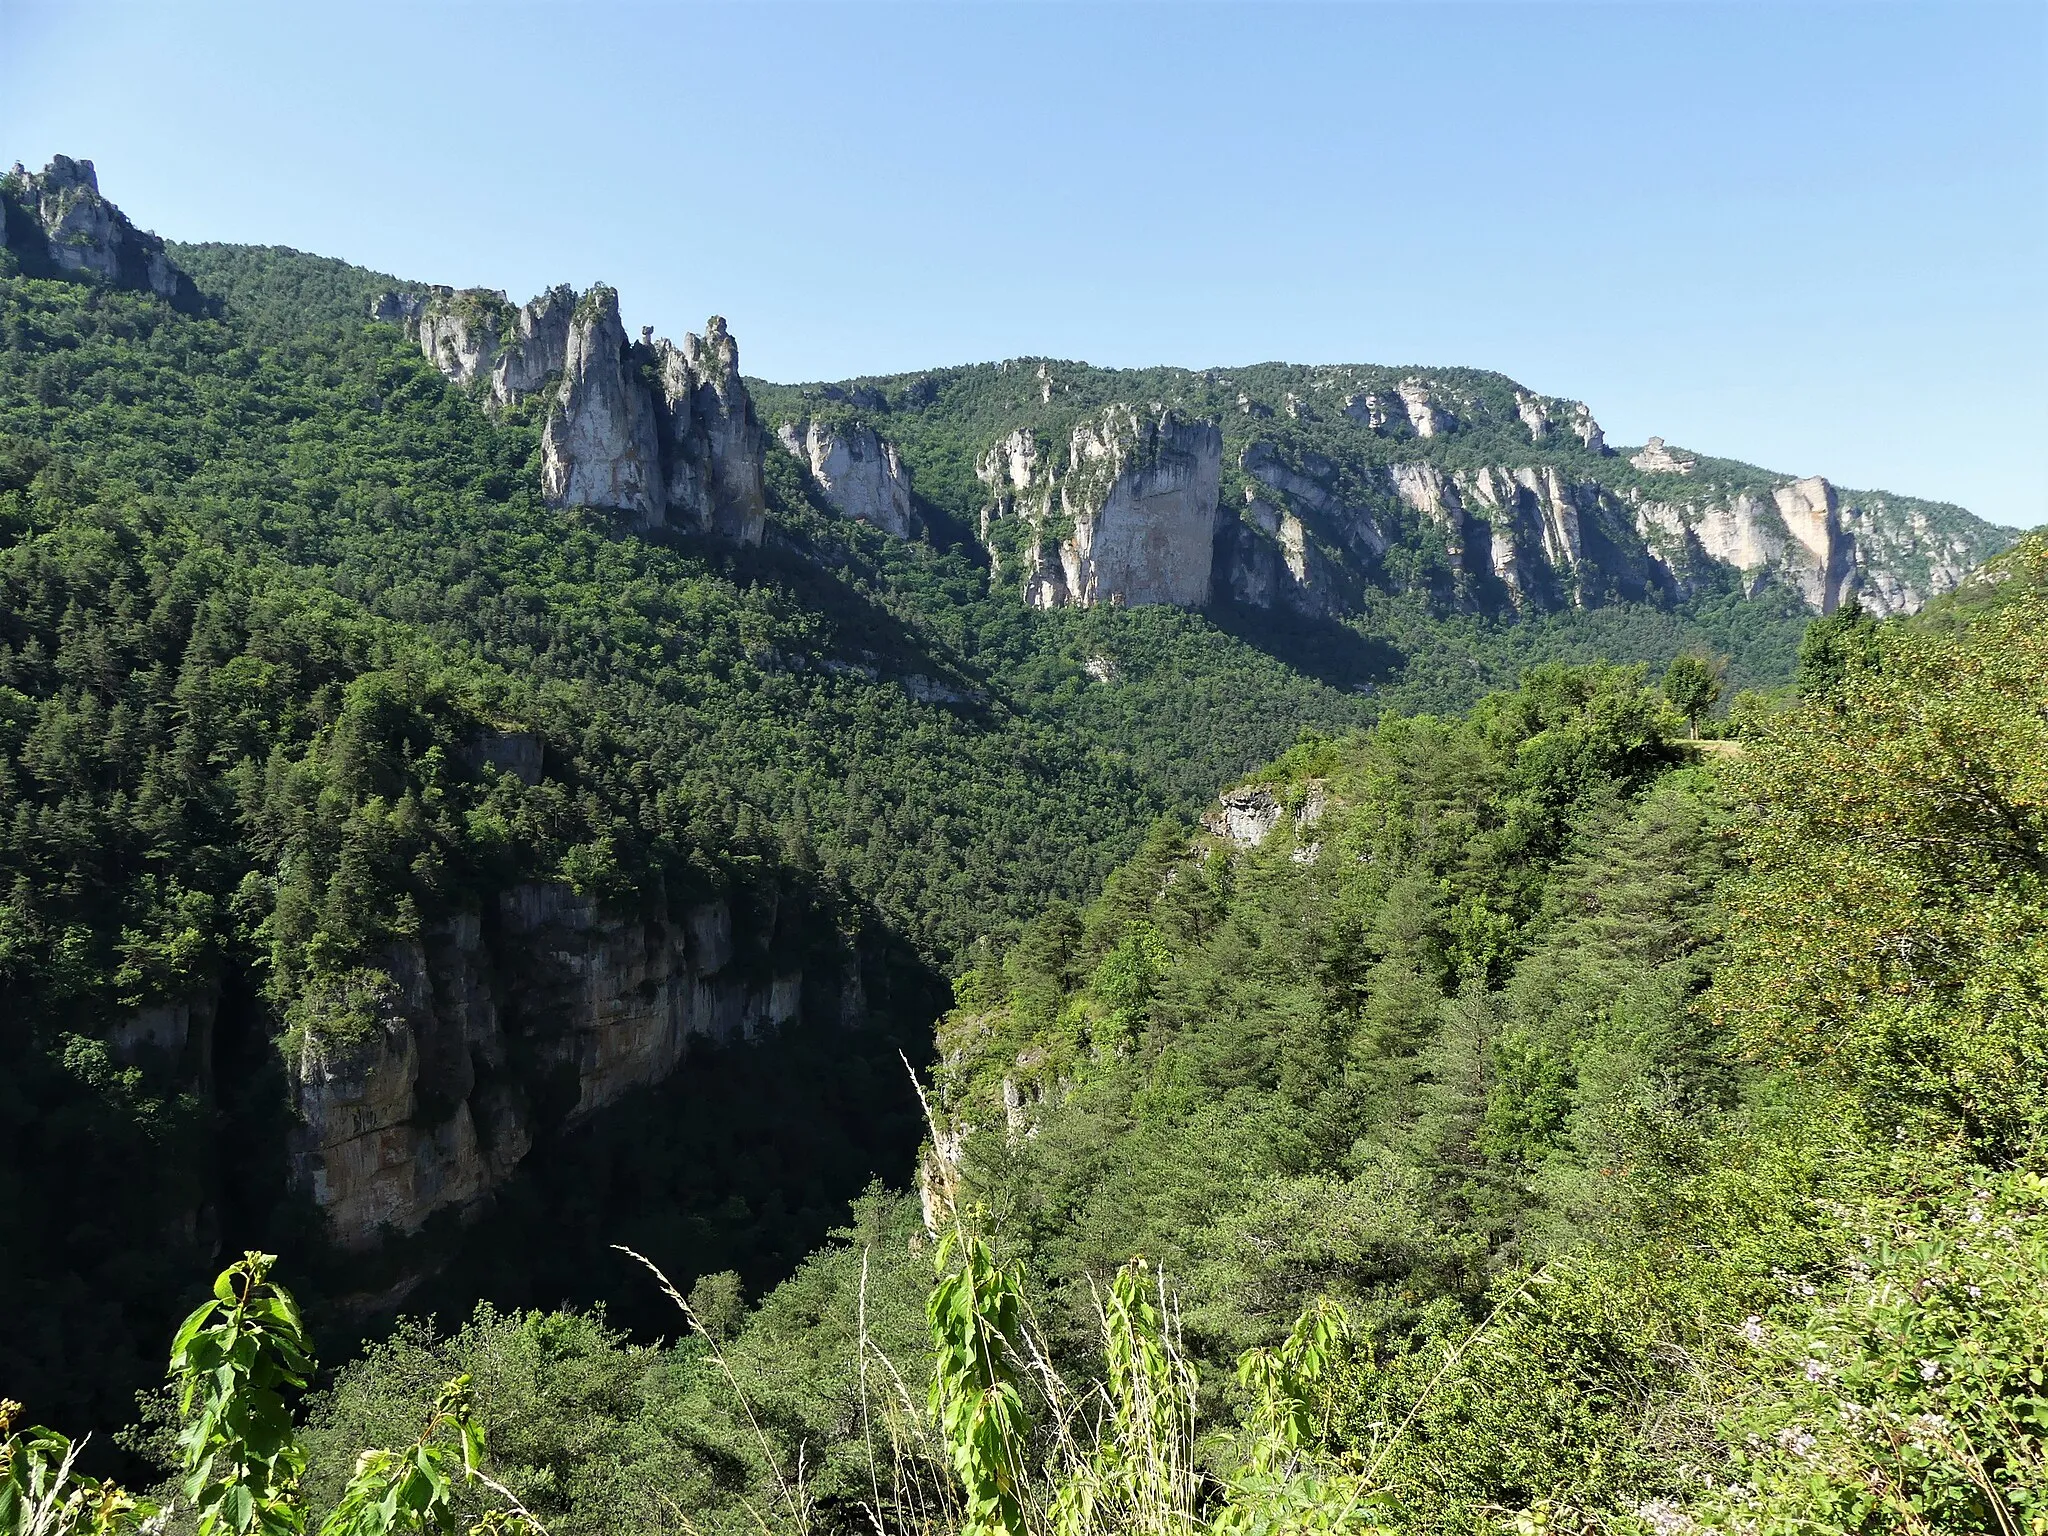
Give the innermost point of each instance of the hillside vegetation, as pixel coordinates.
(1558, 1132)
(1501, 1111)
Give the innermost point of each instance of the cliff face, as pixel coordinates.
(859, 472)
(1826, 544)
(711, 437)
(683, 450)
(534, 1016)
(600, 448)
(57, 224)
(1129, 518)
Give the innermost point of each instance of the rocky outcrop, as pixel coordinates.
(712, 438)
(1587, 430)
(1901, 557)
(498, 1028)
(1535, 540)
(1796, 533)
(57, 224)
(600, 447)
(1535, 416)
(686, 453)
(472, 334)
(1309, 484)
(1425, 415)
(1274, 563)
(1244, 816)
(1129, 519)
(1656, 459)
(859, 472)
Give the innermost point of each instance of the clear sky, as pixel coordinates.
(1811, 236)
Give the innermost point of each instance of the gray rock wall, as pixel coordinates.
(1130, 518)
(429, 1113)
(58, 223)
(860, 473)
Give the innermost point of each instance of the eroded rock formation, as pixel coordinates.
(600, 448)
(58, 224)
(686, 453)
(1130, 518)
(1656, 459)
(859, 472)
(550, 996)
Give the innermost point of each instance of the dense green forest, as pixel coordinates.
(260, 599)
(1545, 1122)
(1561, 1127)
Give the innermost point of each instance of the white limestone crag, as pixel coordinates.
(1656, 459)
(58, 223)
(1796, 534)
(1245, 816)
(860, 472)
(1586, 429)
(1425, 414)
(713, 438)
(686, 453)
(1309, 484)
(1130, 517)
(600, 447)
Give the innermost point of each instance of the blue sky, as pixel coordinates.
(1811, 236)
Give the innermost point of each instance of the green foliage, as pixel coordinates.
(40, 1494)
(977, 1396)
(1835, 646)
(1888, 931)
(231, 1362)
(1904, 1392)
(1693, 685)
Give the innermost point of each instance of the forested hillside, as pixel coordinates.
(1560, 1129)
(433, 880)
(298, 669)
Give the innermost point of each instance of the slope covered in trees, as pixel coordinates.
(1524, 1024)
(1585, 1136)
(262, 602)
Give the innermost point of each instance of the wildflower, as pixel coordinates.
(1976, 1292)
(1753, 1329)
(1929, 1369)
(1800, 1442)
(1816, 1370)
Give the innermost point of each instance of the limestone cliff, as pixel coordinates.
(58, 224)
(860, 473)
(1824, 543)
(1129, 518)
(528, 1017)
(686, 452)
(476, 333)
(600, 447)
(712, 438)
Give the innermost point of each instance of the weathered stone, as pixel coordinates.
(1656, 459)
(859, 472)
(1245, 816)
(1424, 414)
(424, 1114)
(1534, 416)
(1587, 430)
(713, 437)
(537, 349)
(1139, 493)
(601, 446)
(57, 223)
